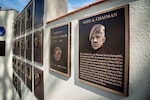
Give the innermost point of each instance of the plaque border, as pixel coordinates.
(42, 72)
(126, 66)
(42, 45)
(36, 26)
(69, 50)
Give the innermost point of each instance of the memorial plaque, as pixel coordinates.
(60, 49)
(23, 23)
(18, 47)
(29, 47)
(2, 48)
(29, 17)
(29, 76)
(104, 50)
(19, 87)
(15, 29)
(18, 67)
(38, 46)
(22, 69)
(22, 40)
(38, 84)
(38, 13)
(14, 63)
(18, 27)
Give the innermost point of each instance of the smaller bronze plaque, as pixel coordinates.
(23, 23)
(18, 47)
(29, 76)
(22, 71)
(60, 49)
(29, 47)
(22, 42)
(29, 17)
(38, 46)
(38, 84)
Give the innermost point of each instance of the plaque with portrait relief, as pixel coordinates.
(23, 23)
(29, 13)
(104, 50)
(60, 49)
(38, 84)
(38, 13)
(28, 72)
(38, 47)
(29, 47)
(22, 44)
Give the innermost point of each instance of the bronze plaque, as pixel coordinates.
(22, 71)
(29, 47)
(22, 44)
(38, 46)
(38, 13)
(29, 17)
(19, 87)
(60, 49)
(18, 47)
(2, 48)
(18, 26)
(23, 23)
(38, 84)
(29, 76)
(104, 50)
(18, 67)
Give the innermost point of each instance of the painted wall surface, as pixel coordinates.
(58, 87)
(6, 88)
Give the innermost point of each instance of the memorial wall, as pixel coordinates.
(93, 53)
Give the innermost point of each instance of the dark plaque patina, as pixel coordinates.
(103, 50)
(29, 17)
(38, 84)
(18, 26)
(38, 13)
(29, 76)
(18, 67)
(29, 47)
(2, 48)
(23, 23)
(18, 47)
(60, 49)
(22, 43)
(22, 71)
(38, 46)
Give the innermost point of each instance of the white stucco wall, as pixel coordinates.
(58, 87)
(7, 18)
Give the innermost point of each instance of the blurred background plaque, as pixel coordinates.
(29, 76)
(38, 13)
(60, 49)
(29, 47)
(38, 84)
(38, 46)
(23, 23)
(29, 17)
(22, 42)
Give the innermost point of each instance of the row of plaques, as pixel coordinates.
(23, 47)
(103, 50)
(24, 21)
(23, 71)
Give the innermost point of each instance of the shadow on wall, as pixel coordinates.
(6, 91)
